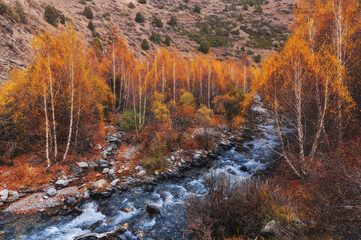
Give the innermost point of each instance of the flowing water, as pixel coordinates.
(169, 197)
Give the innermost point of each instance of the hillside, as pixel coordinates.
(261, 30)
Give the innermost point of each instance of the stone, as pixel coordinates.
(138, 168)
(172, 158)
(149, 188)
(61, 183)
(141, 173)
(126, 225)
(114, 183)
(4, 194)
(141, 235)
(111, 171)
(127, 210)
(103, 165)
(244, 169)
(99, 184)
(76, 170)
(152, 210)
(100, 147)
(82, 164)
(51, 192)
(271, 228)
(93, 165)
(120, 171)
(69, 200)
(105, 170)
(102, 161)
(241, 148)
(14, 195)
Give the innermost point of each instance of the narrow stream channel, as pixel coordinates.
(169, 197)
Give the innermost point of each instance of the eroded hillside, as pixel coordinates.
(231, 27)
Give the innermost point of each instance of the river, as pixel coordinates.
(169, 196)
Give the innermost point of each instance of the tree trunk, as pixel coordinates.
(71, 107)
(53, 110)
(46, 126)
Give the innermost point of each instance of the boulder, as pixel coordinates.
(152, 210)
(51, 192)
(111, 171)
(93, 165)
(76, 170)
(69, 200)
(141, 173)
(4, 195)
(14, 195)
(83, 164)
(61, 183)
(271, 228)
(105, 170)
(114, 183)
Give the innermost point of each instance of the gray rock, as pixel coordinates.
(14, 195)
(105, 152)
(271, 228)
(104, 165)
(105, 170)
(4, 195)
(51, 192)
(152, 210)
(61, 183)
(111, 171)
(138, 168)
(102, 161)
(93, 165)
(141, 173)
(69, 200)
(83, 164)
(114, 183)
(76, 170)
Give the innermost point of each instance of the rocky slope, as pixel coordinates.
(217, 22)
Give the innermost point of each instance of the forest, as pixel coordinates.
(58, 107)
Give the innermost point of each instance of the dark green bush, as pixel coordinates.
(245, 7)
(139, 18)
(257, 58)
(127, 120)
(131, 5)
(167, 40)
(157, 22)
(88, 13)
(142, 1)
(82, 2)
(258, 9)
(91, 26)
(204, 47)
(51, 15)
(197, 9)
(156, 38)
(173, 21)
(145, 45)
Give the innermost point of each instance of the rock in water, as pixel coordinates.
(51, 192)
(152, 210)
(4, 195)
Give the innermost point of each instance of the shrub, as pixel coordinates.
(142, 1)
(156, 38)
(145, 45)
(127, 121)
(131, 5)
(97, 44)
(155, 160)
(91, 26)
(167, 40)
(240, 17)
(157, 22)
(257, 58)
(235, 209)
(173, 21)
(139, 18)
(204, 47)
(20, 11)
(51, 15)
(258, 9)
(62, 19)
(245, 7)
(106, 16)
(82, 2)
(88, 13)
(197, 9)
